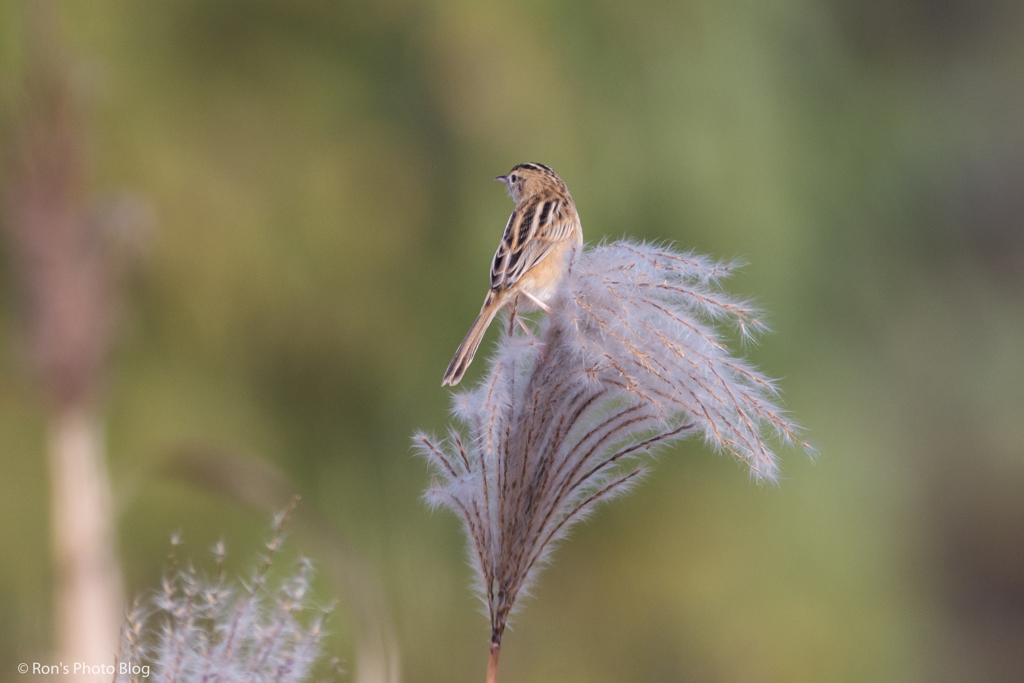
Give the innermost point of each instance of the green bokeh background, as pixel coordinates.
(320, 172)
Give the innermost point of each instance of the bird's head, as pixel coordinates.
(525, 180)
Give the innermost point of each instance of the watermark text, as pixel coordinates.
(61, 669)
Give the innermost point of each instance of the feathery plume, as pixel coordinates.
(628, 359)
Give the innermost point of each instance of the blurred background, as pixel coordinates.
(297, 213)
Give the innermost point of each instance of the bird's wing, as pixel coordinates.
(531, 233)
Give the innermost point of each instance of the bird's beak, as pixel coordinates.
(502, 179)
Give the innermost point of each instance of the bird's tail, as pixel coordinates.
(467, 349)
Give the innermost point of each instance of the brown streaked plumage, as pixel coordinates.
(540, 237)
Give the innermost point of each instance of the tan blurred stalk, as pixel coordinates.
(65, 272)
(89, 592)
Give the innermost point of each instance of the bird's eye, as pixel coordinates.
(512, 177)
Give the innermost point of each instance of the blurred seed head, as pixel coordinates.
(202, 629)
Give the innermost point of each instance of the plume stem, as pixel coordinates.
(492, 660)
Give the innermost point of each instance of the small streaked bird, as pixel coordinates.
(540, 237)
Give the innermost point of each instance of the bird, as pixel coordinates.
(536, 248)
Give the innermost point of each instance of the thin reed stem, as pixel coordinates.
(492, 662)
